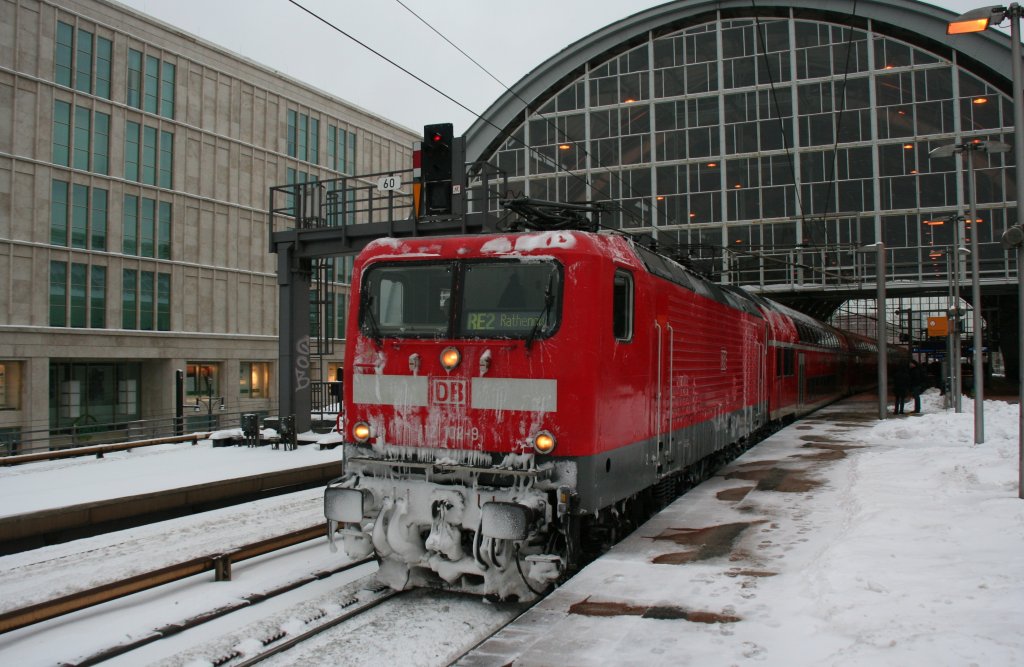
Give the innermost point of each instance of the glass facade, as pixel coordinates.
(773, 148)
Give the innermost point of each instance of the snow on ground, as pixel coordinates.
(902, 550)
(33, 487)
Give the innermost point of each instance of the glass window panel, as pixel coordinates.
(79, 309)
(167, 73)
(148, 155)
(58, 294)
(163, 302)
(83, 62)
(151, 89)
(130, 229)
(131, 151)
(147, 227)
(129, 299)
(79, 215)
(163, 248)
(101, 143)
(146, 300)
(98, 220)
(292, 138)
(59, 213)
(166, 159)
(83, 134)
(104, 55)
(314, 141)
(61, 133)
(64, 54)
(134, 83)
(98, 297)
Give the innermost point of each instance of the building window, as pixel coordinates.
(303, 137)
(151, 93)
(91, 138)
(341, 150)
(150, 87)
(83, 132)
(147, 169)
(65, 54)
(163, 301)
(167, 73)
(98, 297)
(254, 379)
(131, 151)
(73, 60)
(88, 224)
(163, 231)
(146, 227)
(134, 85)
(101, 143)
(94, 394)
(129, 299)
(10, 385)
(202, 379)
(104, 54)
(61, 133)
(58, 294)
(166, 159)
(145, 300)
(83, 62)
(78, 297)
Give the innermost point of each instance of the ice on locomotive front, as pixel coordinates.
(452, 405)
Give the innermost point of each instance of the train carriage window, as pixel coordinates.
(622, 306)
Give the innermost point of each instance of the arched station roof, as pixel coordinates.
(985, 54)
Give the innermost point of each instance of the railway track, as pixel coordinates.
(220, 564)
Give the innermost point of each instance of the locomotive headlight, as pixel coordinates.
(361, 432)
(544, 442)
(450, 358)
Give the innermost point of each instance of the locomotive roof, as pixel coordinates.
(539, 244)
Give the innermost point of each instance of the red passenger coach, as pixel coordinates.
(515, 400)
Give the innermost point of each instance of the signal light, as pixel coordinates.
(436, 166)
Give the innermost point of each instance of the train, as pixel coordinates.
(515, 402)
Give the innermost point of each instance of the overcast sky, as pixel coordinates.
(508, 38)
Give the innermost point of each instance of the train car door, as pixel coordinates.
(801, 383)
(661, 397)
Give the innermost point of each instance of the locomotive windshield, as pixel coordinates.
(490, 300)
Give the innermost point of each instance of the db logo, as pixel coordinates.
(447, 391)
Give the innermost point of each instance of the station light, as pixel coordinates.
(975, 20)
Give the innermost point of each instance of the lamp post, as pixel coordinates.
(883, 352)
(977, 20)
(967, 150)
(954, 312)
(1013, 238)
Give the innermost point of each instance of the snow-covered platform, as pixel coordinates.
(41, 497)
(841, 540)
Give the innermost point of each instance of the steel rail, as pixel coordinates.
(383, 594)
(219, 563)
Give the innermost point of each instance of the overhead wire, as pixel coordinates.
(502, 132)
(565, 136)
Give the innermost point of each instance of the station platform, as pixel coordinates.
(75, 496)
(840, 540)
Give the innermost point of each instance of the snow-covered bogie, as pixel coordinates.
(471, 537)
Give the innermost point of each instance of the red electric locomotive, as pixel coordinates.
(511, 397)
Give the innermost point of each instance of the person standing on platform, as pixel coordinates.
(900, 387)
(918, 382)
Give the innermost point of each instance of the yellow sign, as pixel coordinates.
(938, 326)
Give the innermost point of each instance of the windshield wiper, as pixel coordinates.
(549, 299)
(371, 322)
